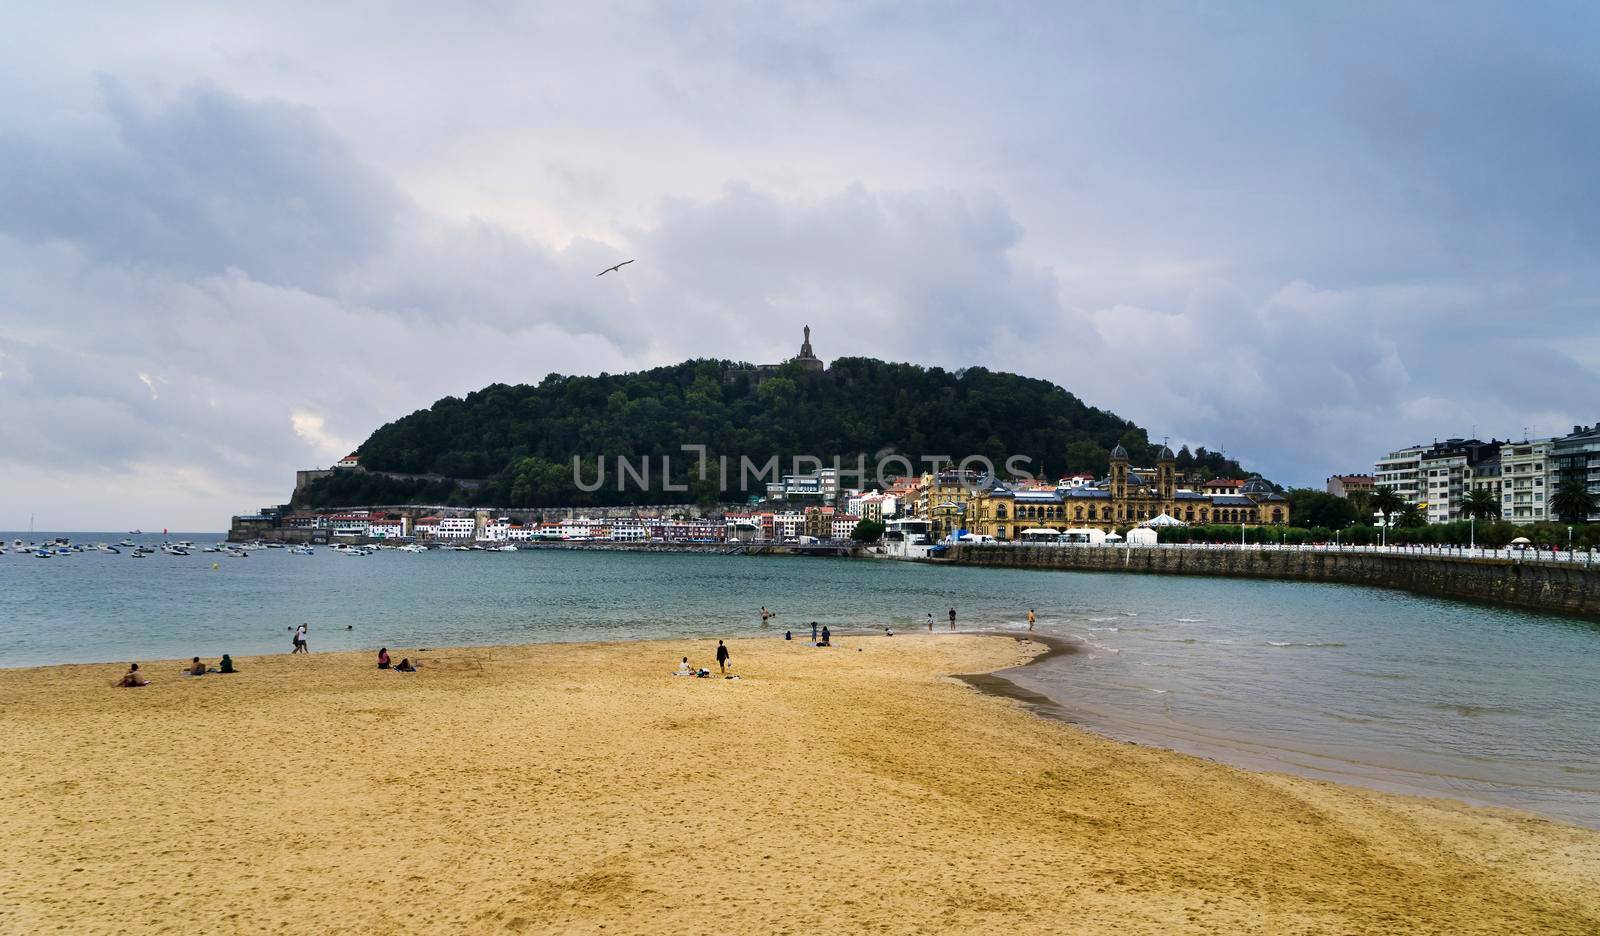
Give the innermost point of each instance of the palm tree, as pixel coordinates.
(1411, 516)
(1481, 503)
(1387, 501)
(1572, 501)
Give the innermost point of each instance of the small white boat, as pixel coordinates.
(506, 548)
(128, 544)
(302, 551)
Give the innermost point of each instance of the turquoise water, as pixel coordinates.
(1374, 687)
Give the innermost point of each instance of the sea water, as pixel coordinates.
(1380, 688)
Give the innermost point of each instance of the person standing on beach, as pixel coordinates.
(930, 622)
(813, 631)
(300, 640)
(722, 657)
(952, 618)
(1031, 619)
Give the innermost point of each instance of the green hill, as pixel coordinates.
(519, 441)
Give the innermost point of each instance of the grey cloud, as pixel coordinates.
(201, 184)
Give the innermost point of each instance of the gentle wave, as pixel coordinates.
(1292, 643)
(1472, 711)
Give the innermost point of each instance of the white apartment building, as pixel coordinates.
(631, 530)
(351, 524)
(1527, 479)
(427, 526)
(496, 530)
(386, 529)
(844, 526)
(518, 533)
(1443, 477)
(457, 528)
(788, 526)
(1401, 470)
(580, 528)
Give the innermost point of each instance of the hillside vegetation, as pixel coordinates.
(520, 440)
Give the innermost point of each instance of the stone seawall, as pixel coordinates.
(1559, 587)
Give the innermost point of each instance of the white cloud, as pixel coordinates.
(310, 427)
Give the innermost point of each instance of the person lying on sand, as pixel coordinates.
(405, 666)
(131, 679)
(196, 668)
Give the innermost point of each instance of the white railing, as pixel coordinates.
(1589, 557)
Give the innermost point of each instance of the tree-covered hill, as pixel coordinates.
(520, 440)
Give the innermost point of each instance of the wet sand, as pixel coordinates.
(582, 789)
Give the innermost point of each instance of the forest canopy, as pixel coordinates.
(519, 441)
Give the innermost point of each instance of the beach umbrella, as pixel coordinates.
(1522, 541)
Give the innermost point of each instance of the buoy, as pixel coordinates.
(215, 566)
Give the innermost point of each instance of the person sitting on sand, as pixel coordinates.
(196, 668)
(887, 632)
(405, 666)
(684, 669)
(826, 638)
(132, 678)
(383, 658)
(226, 665)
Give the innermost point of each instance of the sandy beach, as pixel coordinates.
(583, 789)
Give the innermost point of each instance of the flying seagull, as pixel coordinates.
(617, 267)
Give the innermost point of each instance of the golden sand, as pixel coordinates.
(582, 789)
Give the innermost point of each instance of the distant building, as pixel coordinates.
(1446, 470)
(349, 461)
(1527, 479)
(1220, 486)
(384, 528)
(1345, 485)
(456, 528)
(1577, 458)
(1401, 472)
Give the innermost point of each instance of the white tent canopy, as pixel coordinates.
(1113, 538)
(1163, 520)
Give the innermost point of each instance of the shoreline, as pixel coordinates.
(581, 788)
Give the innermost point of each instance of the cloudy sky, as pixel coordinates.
(232, 243)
